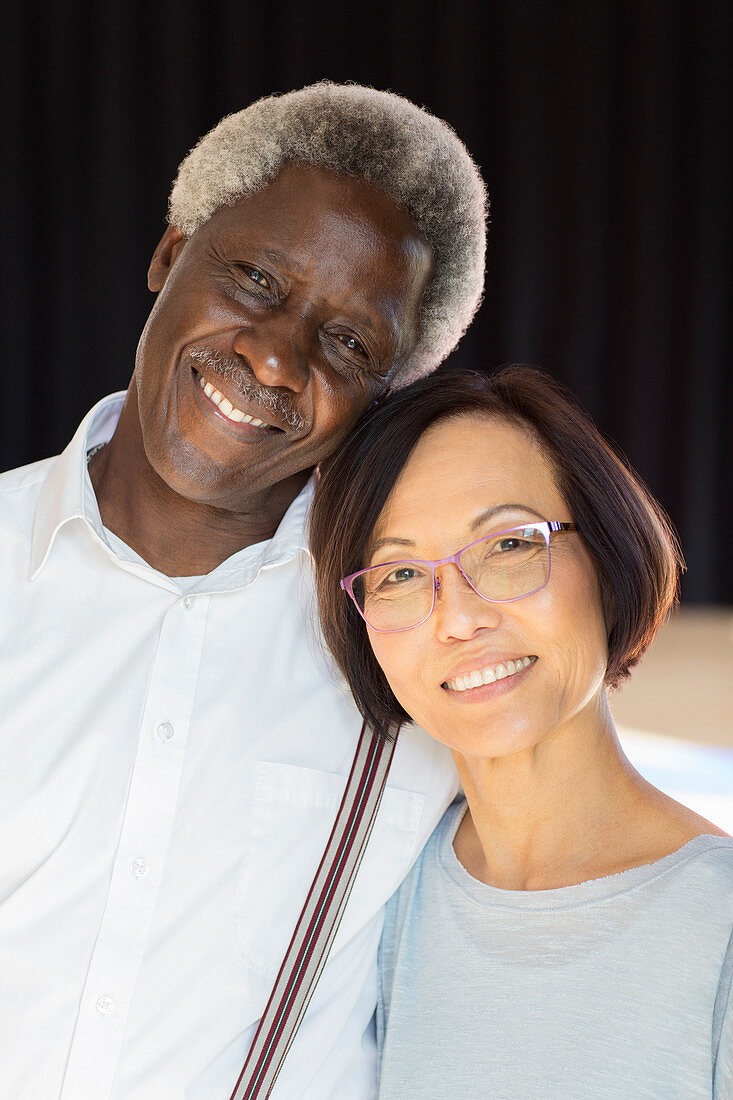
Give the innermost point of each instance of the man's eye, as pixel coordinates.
(257, 276)
(349, 357)
(352, 343)
(253, 275)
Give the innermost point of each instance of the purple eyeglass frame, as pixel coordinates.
(548, 527)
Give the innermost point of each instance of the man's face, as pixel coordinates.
(276, 325)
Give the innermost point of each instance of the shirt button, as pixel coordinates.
(138, 867)
(104, 1006)
(188, 602)
(165, 731)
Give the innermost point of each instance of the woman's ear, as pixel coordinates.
(165, 255)
(610, 608)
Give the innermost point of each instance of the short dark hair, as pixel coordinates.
(628, 535)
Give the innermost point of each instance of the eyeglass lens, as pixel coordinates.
(500, 567)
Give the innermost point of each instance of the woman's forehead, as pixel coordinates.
(472, 462)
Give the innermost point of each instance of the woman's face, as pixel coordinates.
(467, 478)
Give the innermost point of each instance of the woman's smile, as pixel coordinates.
(506, 673)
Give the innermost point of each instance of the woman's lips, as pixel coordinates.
(488, 674)
(487, 681)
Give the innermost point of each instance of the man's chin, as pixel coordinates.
(204, 480)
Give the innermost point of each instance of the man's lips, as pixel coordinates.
(227, 409)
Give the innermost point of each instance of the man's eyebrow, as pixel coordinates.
(371, 319)
(275, 257)
(248, 252)
(479, 521)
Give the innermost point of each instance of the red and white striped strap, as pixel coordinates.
(318, 922)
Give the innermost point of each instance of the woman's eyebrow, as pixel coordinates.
(491, 512)
(390, 540)
(479, 521)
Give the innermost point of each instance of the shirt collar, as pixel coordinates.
(67, 492)
(244, 567)
(67, 495)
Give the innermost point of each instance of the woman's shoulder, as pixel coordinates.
(410, 913)
(665, 826)
(423, 871)
(689, 857)
(689, 823)
(714, 851)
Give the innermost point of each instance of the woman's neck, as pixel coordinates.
(570, 809)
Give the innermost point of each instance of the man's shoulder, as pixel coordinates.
(25, 478)
(19, 490)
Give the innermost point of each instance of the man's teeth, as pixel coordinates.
(488, 675)
(225, 406)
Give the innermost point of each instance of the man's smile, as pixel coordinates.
(225, 407)
(220, 412)
(237, 395)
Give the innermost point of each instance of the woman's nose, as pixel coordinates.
(459, 610)
(276, 350)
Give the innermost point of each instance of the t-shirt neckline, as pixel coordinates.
(564, 897)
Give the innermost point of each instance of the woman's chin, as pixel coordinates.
(485, 736)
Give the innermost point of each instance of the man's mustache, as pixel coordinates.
(243, 379)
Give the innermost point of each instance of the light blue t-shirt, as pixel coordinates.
(615, 989)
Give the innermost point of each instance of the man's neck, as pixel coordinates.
(177, 536)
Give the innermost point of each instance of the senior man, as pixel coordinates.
(174, 741)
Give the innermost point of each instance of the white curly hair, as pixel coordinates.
(385, 139)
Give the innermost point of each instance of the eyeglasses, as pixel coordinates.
(502, 567)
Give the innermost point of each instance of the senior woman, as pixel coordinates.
(566, 934)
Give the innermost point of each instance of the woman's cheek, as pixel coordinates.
(406, 672)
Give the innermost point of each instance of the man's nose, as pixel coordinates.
(459, 610)
(276, 348)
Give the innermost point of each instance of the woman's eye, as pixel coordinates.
(512, 544)
(403, 575)
(527, 543)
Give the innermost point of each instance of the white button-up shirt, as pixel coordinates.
(171, 761)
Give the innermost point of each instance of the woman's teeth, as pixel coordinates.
(227, 409)
(489, 675)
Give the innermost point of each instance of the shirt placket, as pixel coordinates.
(139, 862)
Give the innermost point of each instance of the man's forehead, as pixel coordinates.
(302, 195)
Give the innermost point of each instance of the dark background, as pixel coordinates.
(602, 128)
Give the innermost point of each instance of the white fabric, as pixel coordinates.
(170, 767)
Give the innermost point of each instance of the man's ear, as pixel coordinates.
(381, 396)
(165, 255)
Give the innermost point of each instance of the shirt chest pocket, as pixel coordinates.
(289, 825)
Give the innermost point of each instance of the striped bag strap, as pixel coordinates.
(319, 920)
